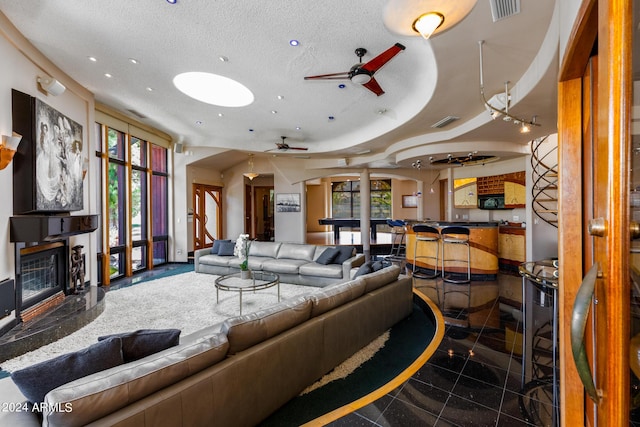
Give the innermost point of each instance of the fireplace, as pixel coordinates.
(42, 275)
(43, 264)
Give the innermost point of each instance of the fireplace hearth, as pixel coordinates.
(43, 263)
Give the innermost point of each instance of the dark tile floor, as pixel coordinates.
(475, 377)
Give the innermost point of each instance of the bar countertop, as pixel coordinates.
(470, 224)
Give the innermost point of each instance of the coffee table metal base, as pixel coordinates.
(259, 280)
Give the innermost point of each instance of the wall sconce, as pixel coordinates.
(251, 174)
(51, 85)
(8, 148)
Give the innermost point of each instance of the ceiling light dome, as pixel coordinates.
(406, 17)
(213, 89)
(427, 23)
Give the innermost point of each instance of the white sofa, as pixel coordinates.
(294, 262)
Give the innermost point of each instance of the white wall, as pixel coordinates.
(22, 65)
(542, 238)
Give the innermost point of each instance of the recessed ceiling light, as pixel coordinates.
(280, 97)
(331, 118)
(294, 42)
(93, 59)
(250, 130)
(342, 85)
(149, 89)
(133, 60)
(107, 75)
(220, 114)
(172, 1)
(274, 112)
(213, 89)
(223, 58)
(199, 122)
(298, 128)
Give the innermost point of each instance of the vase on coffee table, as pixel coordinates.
(245, 274)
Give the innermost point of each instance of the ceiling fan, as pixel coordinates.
(283, 146)
(363, 73)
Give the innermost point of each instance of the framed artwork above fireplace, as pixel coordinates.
(47, 168)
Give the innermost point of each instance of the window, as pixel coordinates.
(136, 211)
(346, 199)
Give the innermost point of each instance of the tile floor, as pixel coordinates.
(475, 377)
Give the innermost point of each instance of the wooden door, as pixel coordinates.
(207, 215)
(594, 148)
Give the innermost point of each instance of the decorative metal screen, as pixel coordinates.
(39, 274)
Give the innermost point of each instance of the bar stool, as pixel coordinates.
(451, 237)
(425, 234)
(398, 233)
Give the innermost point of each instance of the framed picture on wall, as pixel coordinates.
(288, 202)
(409, 201)
(49, 164)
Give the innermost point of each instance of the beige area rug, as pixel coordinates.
(185, 301)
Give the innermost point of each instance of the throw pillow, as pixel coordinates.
(143, 342)
(364, 269)
(346, 252)
(216, 246)
(37, 380)
(328, 256)
(376, 265)
(226, 248)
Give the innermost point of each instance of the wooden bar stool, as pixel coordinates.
(426, 234)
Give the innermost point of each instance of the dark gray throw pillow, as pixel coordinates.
(216, 246)
(345, 253)
(328, 256)
(226, 248)
(377, 265)
(143, 342)
(37, 380)
(364, 269)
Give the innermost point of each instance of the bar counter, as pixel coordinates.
(483, 240)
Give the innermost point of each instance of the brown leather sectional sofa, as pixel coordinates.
(235, 374)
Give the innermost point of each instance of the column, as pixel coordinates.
(365, 213)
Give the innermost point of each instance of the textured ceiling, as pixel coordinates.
(424, 83)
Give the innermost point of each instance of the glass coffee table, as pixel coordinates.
(258, 280)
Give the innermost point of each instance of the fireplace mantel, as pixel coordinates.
(47, 228)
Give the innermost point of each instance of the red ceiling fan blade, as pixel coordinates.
(332, 76)
(373, 86)
(376, 63)
(298, 148)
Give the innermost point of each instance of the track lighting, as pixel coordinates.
(498, 105)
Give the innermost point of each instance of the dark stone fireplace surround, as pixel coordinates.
(42, 243)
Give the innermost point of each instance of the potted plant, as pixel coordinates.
(241, 250)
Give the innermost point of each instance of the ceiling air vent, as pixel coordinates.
(443, 122)
(501, 9)
(135, 113)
